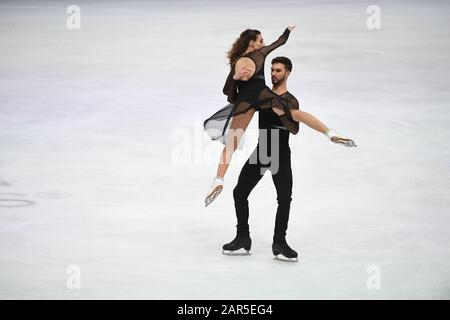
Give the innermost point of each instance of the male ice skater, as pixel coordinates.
(272, 153)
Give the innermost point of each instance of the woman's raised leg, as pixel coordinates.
(237, 129)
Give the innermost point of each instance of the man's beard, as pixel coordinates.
(278, 81)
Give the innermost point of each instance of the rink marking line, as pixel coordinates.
(393, 119)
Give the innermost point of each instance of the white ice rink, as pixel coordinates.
(104, 164)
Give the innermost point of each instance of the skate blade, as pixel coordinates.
(213, 195)
(240, 252)
(284, 259)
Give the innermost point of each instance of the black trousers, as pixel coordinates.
(249, 177)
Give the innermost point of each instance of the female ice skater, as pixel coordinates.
(247, 92)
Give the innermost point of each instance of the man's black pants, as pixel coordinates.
(249, 177)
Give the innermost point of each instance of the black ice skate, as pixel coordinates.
(237, 244)
(286, 252)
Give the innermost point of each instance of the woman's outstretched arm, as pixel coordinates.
(279, 42)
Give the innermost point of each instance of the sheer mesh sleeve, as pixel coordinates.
(290, 124)
(281, 40)
(289, 103)
(286, 102)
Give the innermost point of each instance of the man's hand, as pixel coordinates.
(290, 28)
(242, 73)
(336, 138)
(346, 142)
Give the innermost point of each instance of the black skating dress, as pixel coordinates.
(253, 93)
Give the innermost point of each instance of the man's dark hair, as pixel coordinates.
(287, 63)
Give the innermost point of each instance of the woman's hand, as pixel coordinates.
(290, 28)
(242, 73)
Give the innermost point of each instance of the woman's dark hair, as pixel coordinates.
(241, 44)
(283, 60)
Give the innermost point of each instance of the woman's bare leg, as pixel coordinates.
(237, 128)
